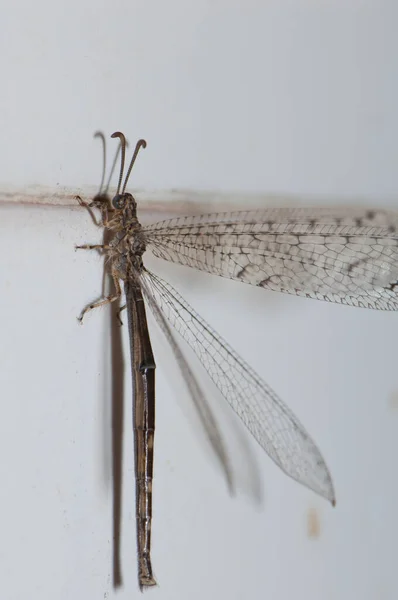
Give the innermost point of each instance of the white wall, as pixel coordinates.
(293, 98)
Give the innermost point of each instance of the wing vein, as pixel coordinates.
(268, 419)
(348, 259)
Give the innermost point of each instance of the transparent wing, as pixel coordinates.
(267, 418)
(348, 256)
(201, 405)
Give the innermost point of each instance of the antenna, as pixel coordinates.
(140, 144)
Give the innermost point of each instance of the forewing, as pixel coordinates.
(267, 418)
(348, 256)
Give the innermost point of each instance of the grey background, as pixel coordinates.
(297, 99)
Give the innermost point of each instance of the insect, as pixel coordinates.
(347, 256)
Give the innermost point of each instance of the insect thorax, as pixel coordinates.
(126, 250)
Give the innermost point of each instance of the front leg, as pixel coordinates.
(87, 206)
(107, 299)
(102, 203)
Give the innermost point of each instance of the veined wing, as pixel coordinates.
(267, 418)
(347, 256)
(200, 402)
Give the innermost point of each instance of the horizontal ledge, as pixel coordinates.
(178, 201)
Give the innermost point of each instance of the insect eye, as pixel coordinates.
(119, 201)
